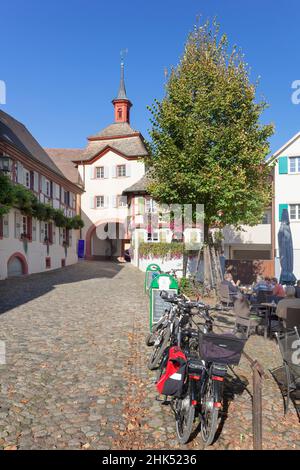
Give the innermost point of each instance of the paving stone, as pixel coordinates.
(76, 368)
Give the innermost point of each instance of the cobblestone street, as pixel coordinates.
(76, 373)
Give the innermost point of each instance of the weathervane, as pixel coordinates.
(123, 54)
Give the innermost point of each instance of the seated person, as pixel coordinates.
(261, 285)
(297, 288)
(228, 281)
(290, 301)
(278, 290)
(241, 306)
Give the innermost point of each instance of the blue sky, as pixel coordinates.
(60, 59)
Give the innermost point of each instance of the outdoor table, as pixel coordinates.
(270, 308)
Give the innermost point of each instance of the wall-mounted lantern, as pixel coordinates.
(5, 163)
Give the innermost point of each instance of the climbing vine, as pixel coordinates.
(16, 195)
(161, 250)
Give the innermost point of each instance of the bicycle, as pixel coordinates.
(162, 331)
(203, 388)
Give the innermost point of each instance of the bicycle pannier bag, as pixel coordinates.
(172, 381)
(223, 349)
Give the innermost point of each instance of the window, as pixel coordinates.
(120, 113)
(31, 180)
(153, 236)
(4, 227)
(67, 198)
(151, 205)
(294, 164)
(24, 225)
(27, 179)
(46, 231)
(48, 188)
(121, 171)
(121, 201)
(100, 172)
(266, 220)
(294, 211)
(99, 201)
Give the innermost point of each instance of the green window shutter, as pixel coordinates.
(283, 165)
(141, 202)
(281, 207)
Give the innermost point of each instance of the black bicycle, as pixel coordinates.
(208, 356)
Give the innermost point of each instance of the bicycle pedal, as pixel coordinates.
(166, 402)
(163, 401)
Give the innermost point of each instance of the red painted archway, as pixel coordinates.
(23, 260)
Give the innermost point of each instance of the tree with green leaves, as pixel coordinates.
(208, 145)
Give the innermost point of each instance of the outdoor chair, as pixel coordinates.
(289, 346)
(244, 326)
(292, 318)
(262, 297)
(224, 295)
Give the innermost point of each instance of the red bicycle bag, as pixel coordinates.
(172, 380)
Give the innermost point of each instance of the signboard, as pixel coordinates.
(157, 304)
(152, 271)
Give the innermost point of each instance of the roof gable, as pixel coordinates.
(129, 147)
(282, 149)
(15, 133)
(116, 129)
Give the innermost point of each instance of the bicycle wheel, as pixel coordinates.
(151, 337)
(158, 350)
(209, 421)
(185, 415)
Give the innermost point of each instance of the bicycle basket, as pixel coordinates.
(223, 349)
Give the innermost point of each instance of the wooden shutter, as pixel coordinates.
(113, 201)
(44, 191)
(281, 207)
(17, 225)
(114, 171)
(29, 228)
(36, 181)
(283, 165)
(42, 232)
(141, 205)
(5, 219)
(92, 202)
(106, 172)
(70, 237)
(128, 169)
(20, 171)
(92, 172)
(61, 235)
(50, 232)
(33, 225)
(53, 234)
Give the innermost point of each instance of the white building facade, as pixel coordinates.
(287, 196)
(27, 245)
(111, 161)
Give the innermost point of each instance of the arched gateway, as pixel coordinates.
(17, 265)
(106, 240)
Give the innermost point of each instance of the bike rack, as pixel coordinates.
(258, 374)
(257, 378)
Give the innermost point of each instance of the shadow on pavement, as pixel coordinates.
(20, 290)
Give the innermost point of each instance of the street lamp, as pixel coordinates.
(5, 163)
